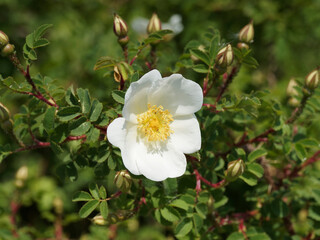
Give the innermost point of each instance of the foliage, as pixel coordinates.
(58, 168)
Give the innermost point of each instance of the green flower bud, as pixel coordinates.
(7, 50)
(58, 205)
(4, 40)
(99, 220)
(312, 80)
(154, 24)
(246, 34)
(235, 170)
(120, 27)
(293, 102)
(225, 56)
(123, 181)
(291, 90)
(122, 71)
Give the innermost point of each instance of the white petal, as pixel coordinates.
(129, 153)
(161, 164)
(136, 98)
(156, 164)
(116, 132)
(177, 94)
(186, 136)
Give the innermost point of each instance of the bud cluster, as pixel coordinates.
(246, 36)
(6, 48)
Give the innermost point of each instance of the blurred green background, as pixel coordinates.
(286, 44)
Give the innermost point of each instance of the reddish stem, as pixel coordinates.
(297, 169)
(227, 80)
(14, 209)
(210, 184)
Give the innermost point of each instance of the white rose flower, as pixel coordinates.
(158, 125)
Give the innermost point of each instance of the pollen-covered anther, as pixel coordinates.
(154, 124)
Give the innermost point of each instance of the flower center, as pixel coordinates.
(155, 123)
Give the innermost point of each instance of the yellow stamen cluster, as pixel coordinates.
(154, 124)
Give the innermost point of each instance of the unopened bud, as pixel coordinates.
(21, 176)
(58, 205)
(123, 181)
(154, 24)
(123, 41)
(225, 56)
(242, 45)
(246, 34)
(193, 57)
(235, 170)
(291, 89)
(312, 80)
(294, 102)
(7, 50)
(122, 71)
(99, 220)
(4, 40)
(120, 27)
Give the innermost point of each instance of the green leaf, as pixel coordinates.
(102, 192)
(48, 120)
(309, 142)
(104, 209)
(170, 186)
(68, 113)
(71, 171)
(257, 153)
(179, 203)
(301, 151)
(201, 55)
(202, 209)
(88, 208)
(279, 208)
(81, 161)
(70, 97)
(30, 40)
(94, 190)
(111, 162)
(85, 100)
(93, 135)
(197, 221)
(200, 68)
(95, 110)
(41, 43)
(256, 169)
(249, 178)
(40, 31)
(56, 147)
(183, 227)
(81, 196)
(118, 96)
(79, 126)
(104, 62)
(314, 212)
(236, 236)
(170, 214)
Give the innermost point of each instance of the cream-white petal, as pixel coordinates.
(179, 95)
(129, 153)
(116, 132)
(136, 98)
(186, 136)
(160, 163)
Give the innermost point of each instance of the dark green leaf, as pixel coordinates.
(279, 208)
(93, 135)
(180, 204)
(202, 209)
(41, 43)
(236, 236)
(314, 212)
(71, 98)
(95, 111)
(88, 208)
(201, 55)
(81, 161)
(40, 31)
(68, 113)
(81, 196)
(183, 227)
(71, 171)
(118, 96)
(56, 147)
(48, 121)
(85, 100)
(79, 126)
(249, 178)
(111, 162)
(301, 151)
(200, 68)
